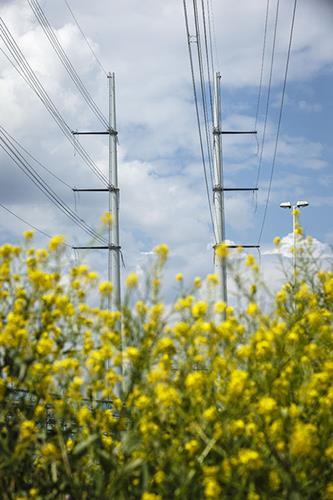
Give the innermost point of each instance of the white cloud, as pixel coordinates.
(318, 249)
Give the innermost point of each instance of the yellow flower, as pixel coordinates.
(199, 309)
(184, 303)
(192, 446)
(179, 277)
(250, 459)
(69, 445)
(141, 307)
(132, 353)
(150, 496)
(162, 251)
(105, 288)
(49, 451)
(222, 250)
(212, 488)
(252, 309)
(83, 415)
(28, 235)
(328, 495)
(237, 426)
(106, 218)
(197, 282)
(194, 380)
(212, 279)
(266, 405)
(159, 477)
(45, 345)
(210, 413)
(250, 260)
(107, 441)
(303, 439)
(132, 280)
(277, 241)
(220, 307)
(2, 389)
(42, 255)
(56, 242)
(28, 430)
(274, 480)
(166, 396)
(237, 382)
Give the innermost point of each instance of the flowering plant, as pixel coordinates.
(209, 402)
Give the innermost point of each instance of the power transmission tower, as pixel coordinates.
(219, 189)
(113, 246)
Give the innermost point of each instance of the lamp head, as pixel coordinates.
(302, 204)
(285, 204)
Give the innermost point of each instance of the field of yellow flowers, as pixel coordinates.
(151, 402)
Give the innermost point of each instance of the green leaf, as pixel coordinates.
(81, 447)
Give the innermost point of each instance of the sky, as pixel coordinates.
(162, 190)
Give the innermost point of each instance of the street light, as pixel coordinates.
(299, 204)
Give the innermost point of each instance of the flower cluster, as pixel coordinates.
(201, 402)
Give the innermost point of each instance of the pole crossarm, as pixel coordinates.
(217, 189)
(109, 189)
(110, 131)
(217, 131)
(243, 246)
(104, 247)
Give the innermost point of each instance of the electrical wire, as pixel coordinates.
(9, 147)
(35, 228)
(58, 48)
(262, 65)
(198, 117)
(20, 63)
(35, 159)
(26, 222)
(208, 61)
(203, 90)
(85, 38)
(268, 94)
(279, 120)
(212, 45)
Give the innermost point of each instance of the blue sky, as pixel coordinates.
(161, 180)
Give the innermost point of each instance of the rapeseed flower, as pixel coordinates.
(106, 218)
(56, 242)
(132, 280)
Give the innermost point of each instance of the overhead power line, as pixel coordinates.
(279, 119)
(25, 222)
(20, 63)
(36, 160)
(203, 90)
(268, 93)
(59, 50)
(85, 38)
(262, 65)
(208, 54)
(18, 158)
(203, 158)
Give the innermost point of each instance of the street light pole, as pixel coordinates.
(295, 213)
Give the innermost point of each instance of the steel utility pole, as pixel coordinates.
(113, 246)
(219, 189)
(218, 194)
(114, 251)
